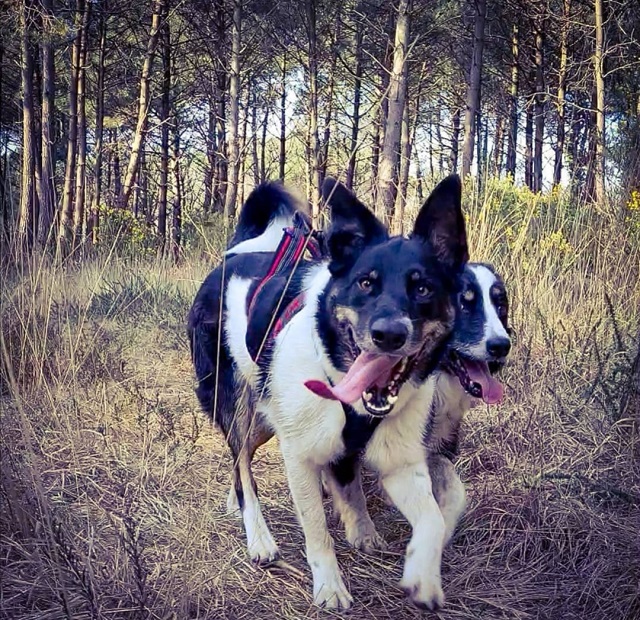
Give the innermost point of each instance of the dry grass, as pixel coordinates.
(113, 484)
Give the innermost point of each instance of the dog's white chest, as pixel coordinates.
(398, 438)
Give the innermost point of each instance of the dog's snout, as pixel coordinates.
(389, 334)
(498, 347)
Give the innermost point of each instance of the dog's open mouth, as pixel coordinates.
(476, 377)
(373, 377)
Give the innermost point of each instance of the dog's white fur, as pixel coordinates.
(266, 242)
(310, 433)
(235, 326)
(493, 327)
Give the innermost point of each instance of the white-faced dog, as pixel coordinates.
(477, 349)
(348, 379)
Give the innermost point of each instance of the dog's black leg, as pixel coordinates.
(345, 485)
(448, 491)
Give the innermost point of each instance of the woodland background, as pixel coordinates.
(130, 134)
(165, 113)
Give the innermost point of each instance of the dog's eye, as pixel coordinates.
(422, 290)
(468, 297)
(365, 284)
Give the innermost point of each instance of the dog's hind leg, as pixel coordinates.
(344, 482)
(243, 441)
(449, 492)
(257, 435)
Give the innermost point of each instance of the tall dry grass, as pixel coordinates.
(113, 484)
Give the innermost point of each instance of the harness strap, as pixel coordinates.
(290, 311)
(295, 240)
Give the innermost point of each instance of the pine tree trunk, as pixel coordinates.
(219, 183)
(498, 145)
(97, 197)
(28, 221)
(478, 142)
(234, 107)
(375, 154)
(389, 161)
(326, 138)
(283, 119)
(243, 146)
(419, 185)
(142, 188)
(263, 145)
(513, 104)
(66, 215)
(385, 72)
(220, 177)
(165, 122)
(598, 65)
(562, 77)
(254, 138)
(357, 93)
(176, 220)
(430, 145)
(403, 181)
(108, 190)
(440, 141)
(5, 206)
(47, 189)
(455, 141)
(79, 208)
(485, 143)
(160, 11)
(117, 173)
(409, 126)
(528, 154)
(572, 148)
(473, 92)
(539, 101)
(315, 171)
(211, 160)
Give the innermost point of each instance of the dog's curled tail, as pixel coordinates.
(269, 208)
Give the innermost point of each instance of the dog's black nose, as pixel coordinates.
(498, 347)
(388, 334)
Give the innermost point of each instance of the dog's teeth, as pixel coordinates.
(392, 399)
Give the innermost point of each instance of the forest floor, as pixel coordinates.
(114, 484)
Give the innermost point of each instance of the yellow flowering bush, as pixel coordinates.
(132, 233)
(632, 216)
(556, 243)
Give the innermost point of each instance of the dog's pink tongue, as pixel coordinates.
(492, 390)
(367, 369)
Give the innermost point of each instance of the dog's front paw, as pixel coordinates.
(329, 590)
(262, 548)
(423, 587)
(364, 537)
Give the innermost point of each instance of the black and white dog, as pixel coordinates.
(477, 349)
(350, 379)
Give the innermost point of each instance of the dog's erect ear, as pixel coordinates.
(353, 226)
(441, 223)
